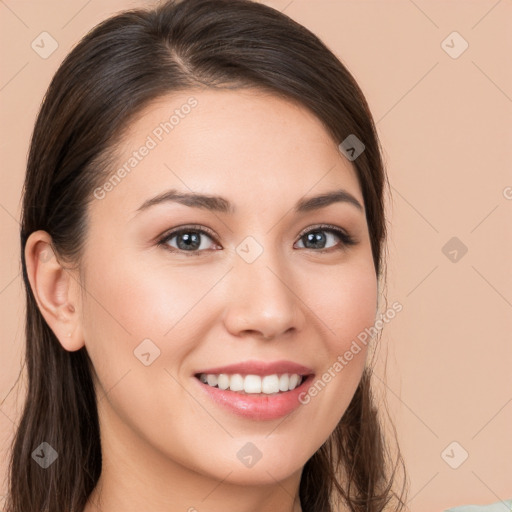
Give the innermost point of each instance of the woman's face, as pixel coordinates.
(252, 278)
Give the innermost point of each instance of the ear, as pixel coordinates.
(55, 289)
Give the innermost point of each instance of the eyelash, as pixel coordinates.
(346, 239)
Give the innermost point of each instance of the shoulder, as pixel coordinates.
(500, 506)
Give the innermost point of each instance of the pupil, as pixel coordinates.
(317, 237)
(190, 241)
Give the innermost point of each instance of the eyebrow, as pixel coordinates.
(222, 205)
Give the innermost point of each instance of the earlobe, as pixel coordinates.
(54, 289)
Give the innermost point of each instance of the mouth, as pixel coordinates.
(255, 397)
(251, 384)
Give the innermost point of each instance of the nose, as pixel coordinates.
(263, 299)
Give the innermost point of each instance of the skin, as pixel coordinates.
(166, 447)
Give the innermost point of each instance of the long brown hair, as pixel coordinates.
(114, 72)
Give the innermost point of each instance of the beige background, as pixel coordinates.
(445, 124)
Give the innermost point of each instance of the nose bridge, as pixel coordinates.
(261, 296)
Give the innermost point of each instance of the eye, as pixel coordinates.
(189, 240)
(316, 237)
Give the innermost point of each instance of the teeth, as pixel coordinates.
(270, 384)
(211, 379)
(254, 384)
(223, 381)
(236, 382)
(284, 380)
(294, 380)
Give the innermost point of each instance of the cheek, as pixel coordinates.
(139, 301)
(130, 301)
(125, 305)
(346, 306)
(345, 302)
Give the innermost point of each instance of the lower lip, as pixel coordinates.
(257, 406)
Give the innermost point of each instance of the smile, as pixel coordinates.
(253, 384)
(257, 404)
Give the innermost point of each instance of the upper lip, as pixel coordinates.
(261, 368)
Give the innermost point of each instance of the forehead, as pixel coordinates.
(238, 143)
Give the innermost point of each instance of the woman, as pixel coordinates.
(202, 247)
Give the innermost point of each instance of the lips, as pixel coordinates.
(255, 405)
(258, 407)
(260, 368)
